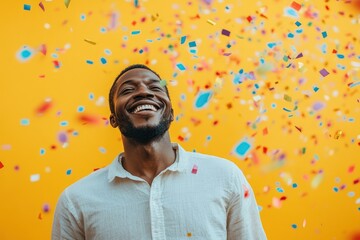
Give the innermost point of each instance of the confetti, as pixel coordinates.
(182, 39)
(41, 5)
(225, 32)
(243, 148)
(202, 99)
(27, 7)
(180, 66)
(90, 41)
(194, 169)
(1, 165)
(34, 177)
(136, 32)
(25, 122)
(67, 3)
(211, 22)
(323, 72)
(24, 54)
(296, 6)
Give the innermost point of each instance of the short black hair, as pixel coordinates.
(112, 89)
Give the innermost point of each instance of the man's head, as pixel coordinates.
(140, 105)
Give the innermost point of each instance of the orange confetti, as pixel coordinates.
(43, 108)
(351, 168)
(265, 131)
(89, 119)
(295, 6)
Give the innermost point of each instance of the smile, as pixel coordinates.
(145, 107)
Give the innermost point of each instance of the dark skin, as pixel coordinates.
(140, 87)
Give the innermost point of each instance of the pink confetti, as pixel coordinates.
(194, 169)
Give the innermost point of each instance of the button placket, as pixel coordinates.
(157, 216)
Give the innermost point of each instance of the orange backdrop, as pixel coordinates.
(271, 85)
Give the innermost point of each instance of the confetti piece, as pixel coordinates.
(246, 191)
(243, 148)
(192, 44)
(62, 137)
(24, 122)
(103, 60)
(68, 172)
(44, 107)
(34, 177)
(90, 41)
(6, 147)
(89, 119)
(225, 32)
(290, 12)
(89, 62)
(163, 83)
(194, 169)
(182, 39)
(56, 64)
(136, 32)
(136, 3)
(317, 106)
(27, 7)
(211, 22)
(354, 84)
(324, 34)
(24, 54)
(102, 149)
(46, 208)
(189, 234)
(317, 180)
(323, 72)
(180, 66)
(296, 6)
(41, 5)
(271, 45)
(287, 98)
(294, 226)
(338, 134)
(67, 3)
(1, 165)
(202, 99)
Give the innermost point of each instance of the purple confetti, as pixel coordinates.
(318, 106)
(62, 137)
(225, 32)
(323, 72)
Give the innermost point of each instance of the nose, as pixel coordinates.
(143, 91)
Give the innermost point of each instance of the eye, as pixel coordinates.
(126, 91)
(156, 88)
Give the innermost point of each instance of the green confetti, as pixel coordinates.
(67, 2)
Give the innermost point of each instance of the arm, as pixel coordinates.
(66, 224)
(243, 219)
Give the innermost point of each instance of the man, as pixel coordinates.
(155, 189)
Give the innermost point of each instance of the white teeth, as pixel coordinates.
(144, 107)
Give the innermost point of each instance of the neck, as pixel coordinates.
(148, 160)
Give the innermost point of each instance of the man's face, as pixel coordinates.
(143, 110)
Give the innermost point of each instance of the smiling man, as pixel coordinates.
(155, 189)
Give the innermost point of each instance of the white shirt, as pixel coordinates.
(197, 197)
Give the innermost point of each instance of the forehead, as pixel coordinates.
(137, 75)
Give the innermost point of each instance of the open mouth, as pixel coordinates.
(144, 107)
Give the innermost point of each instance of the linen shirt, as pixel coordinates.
(198, 197)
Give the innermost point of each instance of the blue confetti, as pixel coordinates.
(27, 7)
(89, 62)
(324, 34)
(182, 39)
(82, 17)
(24, 53)
(102, 149)
(103, 60)
(297, 23)
(91, 96)
(24, 122)
(80, 108)
(271, 45)
(243, 148)
(192, 44)
(202, 99)
(290, 12)
(136, 32)
(180, 66)
(294, 226)
(63, 123)
(290, 35)
(68, 172)
(294, 185)
(42, 151)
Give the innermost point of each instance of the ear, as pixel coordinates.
(113, 121)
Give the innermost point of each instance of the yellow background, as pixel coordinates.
(318, 150)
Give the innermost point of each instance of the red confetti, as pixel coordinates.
(295, 6)
(298, 128)
(194, 169)
(283, 198)
(249, 18)
(265, 149)
(1, 165)
(351, 168)
(180, 138)
(356, 181)
(89, 119)
(42, 6)
(43, 108)
(246, 192)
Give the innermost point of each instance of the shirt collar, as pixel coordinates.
(116, 169)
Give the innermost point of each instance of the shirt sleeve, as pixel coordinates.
(243, 218)
(66, 224)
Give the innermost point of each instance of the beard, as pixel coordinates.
(146, 134)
